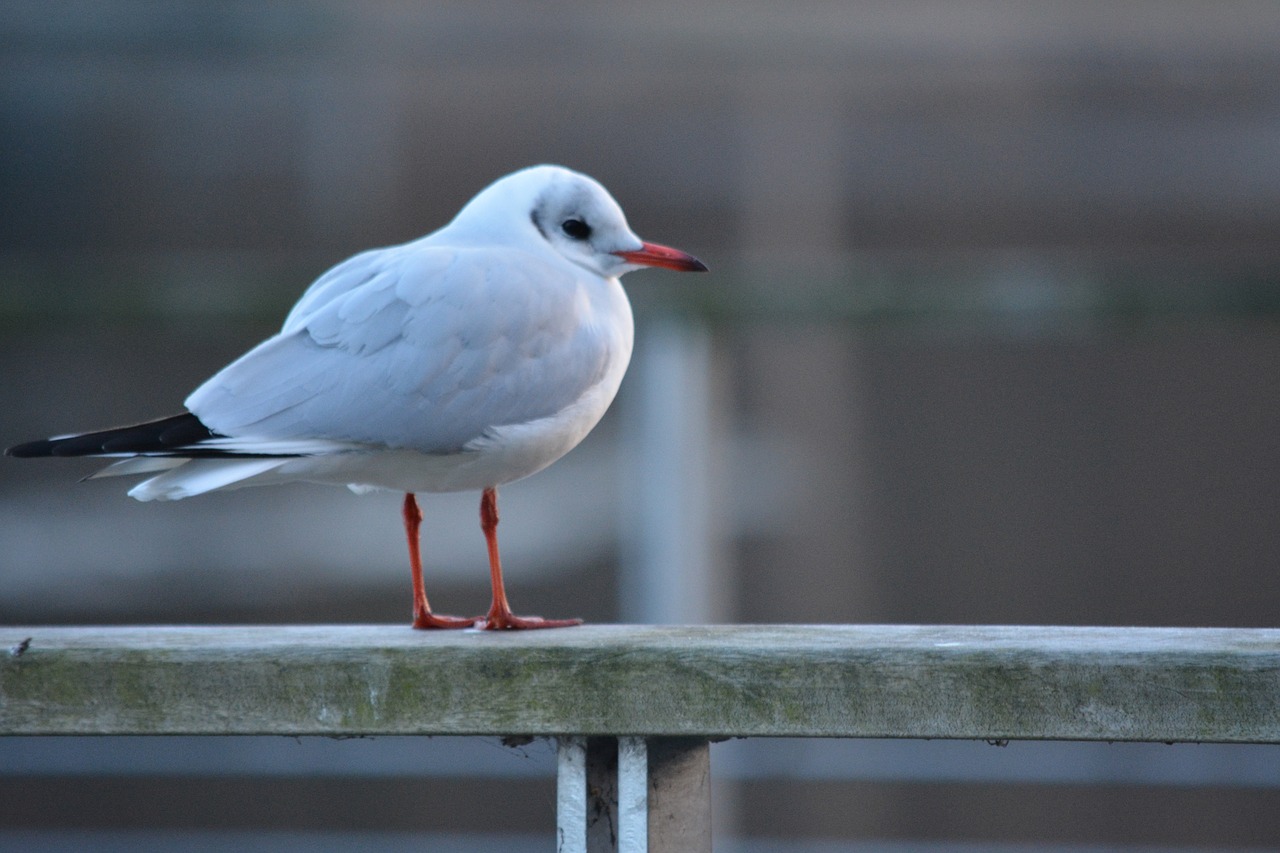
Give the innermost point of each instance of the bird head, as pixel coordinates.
(573, 216)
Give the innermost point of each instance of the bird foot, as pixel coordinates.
(427, 621)
(508, 621)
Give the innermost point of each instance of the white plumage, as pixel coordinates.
(469, 358)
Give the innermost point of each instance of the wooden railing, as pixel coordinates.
(633, 709)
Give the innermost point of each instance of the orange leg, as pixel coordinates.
(500, 616)
(422, 615)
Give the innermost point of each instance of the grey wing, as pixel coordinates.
(430, 353)
(341, 279)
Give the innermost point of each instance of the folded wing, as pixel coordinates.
(420, 348)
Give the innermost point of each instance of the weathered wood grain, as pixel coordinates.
(816, 680)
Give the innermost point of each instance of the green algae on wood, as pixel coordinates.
(1158, 684)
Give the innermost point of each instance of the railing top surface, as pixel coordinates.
(994, 682)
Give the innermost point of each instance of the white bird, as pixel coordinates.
(466, 359)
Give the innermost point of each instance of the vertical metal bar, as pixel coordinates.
(661, 795)
(633, 795)
(571, 795)
(679, 795)
(671, 525)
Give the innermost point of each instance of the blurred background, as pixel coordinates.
(992, 335)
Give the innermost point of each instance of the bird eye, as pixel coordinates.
(576, 229)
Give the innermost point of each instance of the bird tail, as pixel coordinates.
(186, 456)
(196, 476)
(174, 435)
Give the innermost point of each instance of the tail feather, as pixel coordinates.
(197, 476)
(183, 455)
(138, 465)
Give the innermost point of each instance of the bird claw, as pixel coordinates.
(508, 621)
(431, 621)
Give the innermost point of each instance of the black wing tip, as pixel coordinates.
(158, 436)
(31, 449)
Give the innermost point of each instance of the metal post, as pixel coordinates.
(633, 795)
(673, 545)
(679, 795)
(571, 795)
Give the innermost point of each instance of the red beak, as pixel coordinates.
(653, 255)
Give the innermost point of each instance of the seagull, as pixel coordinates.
(469, 358)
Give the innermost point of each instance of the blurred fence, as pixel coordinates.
(991, 337)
